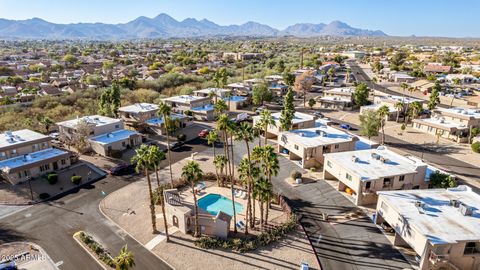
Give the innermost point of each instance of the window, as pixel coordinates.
(472, 248)
(348, 176)
(368, 185)
(117, 126)
(401, 178)
(14, 151)
(337, 146)
(3, 154)
(63, 162)
(34, 147)
(123, 144)
(386, 182)
(296, 147)
(329, 164)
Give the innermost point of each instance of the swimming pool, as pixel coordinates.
(213, 203)
(235, 98)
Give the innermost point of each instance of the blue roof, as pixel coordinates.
(115, 136)
(12, 163)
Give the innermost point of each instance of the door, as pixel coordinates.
(55, 166)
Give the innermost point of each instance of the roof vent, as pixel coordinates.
(465, 209)
(381, 148)
(376, 156)
(419, 204)
(354, 159)
(384, 160)
(455, 203)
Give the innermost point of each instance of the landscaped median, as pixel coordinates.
(95, 249)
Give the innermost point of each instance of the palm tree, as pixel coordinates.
(244, 169)
(383, 112)
(212, 139)
(124, 260)
(347, 78)
(456, 82)
(269, 164)
(220, 107)
(161, 199)
(164, 110)
(220, 162)
(46, 122)
(213, 94)
(399, 105)
(192, 173)
(266, 120)
(156, 157)
(416, 108)
(264, 192)
(245, 133)
(143, 160)
(404, 87)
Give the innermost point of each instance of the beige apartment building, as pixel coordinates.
(440, 225)
(28, 154)
(337, 99)
(307, 146)
(300, 120)
(201, 107)
(362, 173)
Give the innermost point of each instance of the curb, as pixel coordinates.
(89, 252)
(131, 236)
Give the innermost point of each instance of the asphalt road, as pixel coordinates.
(51, 225)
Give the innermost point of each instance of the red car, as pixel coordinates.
(204, 133)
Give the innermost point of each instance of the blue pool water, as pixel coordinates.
(204, 108)
(213, 203)
(235, 98)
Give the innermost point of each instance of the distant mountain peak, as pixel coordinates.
(165, 26)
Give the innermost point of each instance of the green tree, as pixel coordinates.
(70, 59)
(164, 111)
(220, 78)
(125, 259)
(220, 107)
(370, 123)
(383, 112)
(260, 94)
(143, 161)
(434, 98)
(399, 106)
(288, 112)
(360, 96)
(192, 173)
(110, 100)
(263, 191)
(442, 180)
(476, 147)
(266, 120)
(46, 122)
(416, 108)
(311, 103)
(288, 78)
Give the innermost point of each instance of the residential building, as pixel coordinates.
(300, 120)
(307, 146)
(234, 102)
(381, 99)
(423, 86)
(364, 172)
(435, 68)
(28, 154)
(201, 107)
(400, 77)
(337, 99)
(452, 123)
(439, 225)
(106, 135)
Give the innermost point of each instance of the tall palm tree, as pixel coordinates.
(220, 107)
(125, 259)
(269, 164)
(264, 191)
(266, 120)
(245, 133)
(383, 112)
(220, 162)
(212, 139)
(192, 173)
(143, 160)
(46, 122)
(456, 82)
(416, 108)
(399, 106)
(244, 169)
(404, 87)
(161, 200)
(347, 78)
(164, 111)
(156, 157)
(213, 94)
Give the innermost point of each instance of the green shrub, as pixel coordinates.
(76, 179)
(188, 113)
(52, 178)
(295, 174)
(313, 169)
(476, 147)
(116, 154)
(44, 196)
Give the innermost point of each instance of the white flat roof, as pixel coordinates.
(315, 137)
(395, 98)
(341, 90)
(438, 220)
(9, 138)
(475, 113)
(298, 117)
(139, 108)
(441, 122)
(96, 120)
(217, 91)
(187, 99)
(369, 168)
(112, 137)
(337, 99)
(377, 106)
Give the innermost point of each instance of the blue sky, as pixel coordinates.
(454, 18)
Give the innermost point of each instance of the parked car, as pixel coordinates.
(204, 133)
(319, 114)
(176, 145)
(345, 126)
(8, 266)
(122, 169)
(259, 110)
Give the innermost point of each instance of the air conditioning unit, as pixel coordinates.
(465, 209)
(354, 159)
(419, 204)
(455, 203)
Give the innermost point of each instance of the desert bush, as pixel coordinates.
(52, 178)
(295, 174)
(76, 179)
(476, 147)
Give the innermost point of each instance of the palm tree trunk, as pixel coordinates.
(252, 221)
(268, 202)
(165, 220)
(264, 134)
(248, 216)
(304, 98)
(156, 174)
(383, 134)
(233, 184)
(152, 205)
(216, 169)
(261, 214)
(398, 116)
(169, 156)
(197, 228)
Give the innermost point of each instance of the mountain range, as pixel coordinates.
(164, 26)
